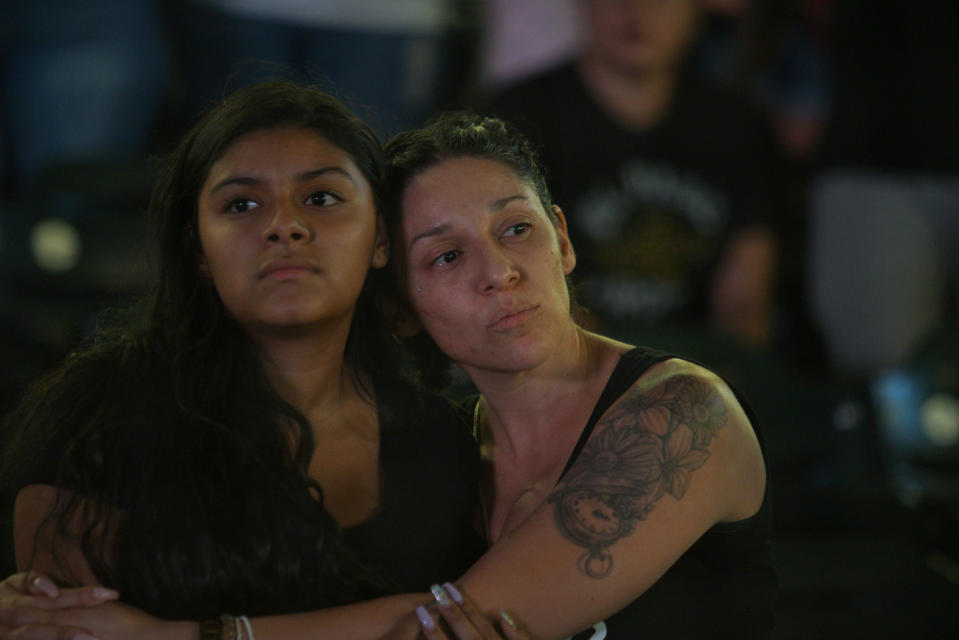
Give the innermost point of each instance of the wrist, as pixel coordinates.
(178, 630)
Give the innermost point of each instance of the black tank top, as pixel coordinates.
(724, 586)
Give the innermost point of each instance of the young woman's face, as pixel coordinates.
(288, 230)
(485, 265)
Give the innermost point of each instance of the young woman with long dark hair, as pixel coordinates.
(247, 441)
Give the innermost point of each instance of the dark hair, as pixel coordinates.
(197, 502)
(183, 297)
(461, 133)
(446, 136)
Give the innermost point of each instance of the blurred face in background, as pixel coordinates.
(640, 36)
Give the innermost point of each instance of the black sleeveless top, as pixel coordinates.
(724, 586)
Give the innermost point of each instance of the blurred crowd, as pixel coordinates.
(769, 187)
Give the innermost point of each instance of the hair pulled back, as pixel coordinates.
(447, 136)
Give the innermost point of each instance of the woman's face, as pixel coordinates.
(288, 231)
(485, 265)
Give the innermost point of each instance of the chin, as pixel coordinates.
(289, 320)
(513, 359)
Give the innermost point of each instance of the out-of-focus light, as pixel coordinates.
(939, 417)
(56, 245)
(847, 415)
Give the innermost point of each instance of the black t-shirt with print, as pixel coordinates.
(648, 212)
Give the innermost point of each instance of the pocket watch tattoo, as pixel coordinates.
(646, 447)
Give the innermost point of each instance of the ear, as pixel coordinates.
(381, 250)
(565, 246)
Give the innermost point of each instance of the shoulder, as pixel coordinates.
(678, 426)
(682, 388)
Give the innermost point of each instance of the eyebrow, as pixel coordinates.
(443, 227)
(500, 204)
(439, 229)
(306, 176)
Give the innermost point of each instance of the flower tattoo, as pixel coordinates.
(645, 447)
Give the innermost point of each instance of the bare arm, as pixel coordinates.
(48, 554)
(63, 560)
(673, 457)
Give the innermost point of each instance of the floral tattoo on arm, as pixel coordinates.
(645, 448)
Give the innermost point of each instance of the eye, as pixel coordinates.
(323, 199)
(241, 205)
(446, 257)
(518, 229)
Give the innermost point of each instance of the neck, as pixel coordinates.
(636, 98)
(531, 421)
(526, 408)
(308, 370)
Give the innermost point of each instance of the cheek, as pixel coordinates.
(218, 269)
(439, 318)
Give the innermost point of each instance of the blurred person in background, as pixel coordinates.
(665, 177)
(518, 39)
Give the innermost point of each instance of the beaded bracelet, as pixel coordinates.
(230, 629)
(211, 629)
(227, 628)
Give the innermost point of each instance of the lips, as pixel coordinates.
(286, 268)
(511, 317)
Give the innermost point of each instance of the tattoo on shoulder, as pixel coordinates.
(644, 448)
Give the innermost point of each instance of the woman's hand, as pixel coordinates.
(105, 621)
(32, 607)
(40, 592)
(456, 616)
(30, 596)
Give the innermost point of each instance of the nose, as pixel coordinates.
(499, 271)
(288, 224)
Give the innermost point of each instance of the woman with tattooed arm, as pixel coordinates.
(625, 489)
(625, 493)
